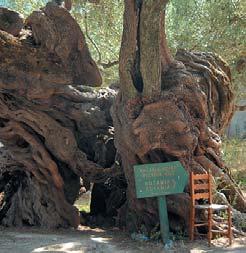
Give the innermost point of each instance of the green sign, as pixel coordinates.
(158, 180)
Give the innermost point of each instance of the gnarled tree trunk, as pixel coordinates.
(54, 130)
(168, 109)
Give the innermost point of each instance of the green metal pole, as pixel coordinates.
(164, 223)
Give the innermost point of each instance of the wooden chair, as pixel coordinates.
(201, 188)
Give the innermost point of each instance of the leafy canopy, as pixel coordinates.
(206, 25)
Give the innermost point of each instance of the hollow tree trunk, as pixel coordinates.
(53, 129)
(168, 109)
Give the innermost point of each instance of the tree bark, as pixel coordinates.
(10, 21)
(168, 109)
(54, 130)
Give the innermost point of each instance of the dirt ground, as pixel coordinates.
(87, 240)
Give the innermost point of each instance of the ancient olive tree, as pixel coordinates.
(58, 135)
(168, 109)
(55, 132)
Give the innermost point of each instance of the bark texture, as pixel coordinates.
(168, 109)
(10, 21)
(53, 129)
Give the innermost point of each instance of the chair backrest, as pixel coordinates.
(201, 187)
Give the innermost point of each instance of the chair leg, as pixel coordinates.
(229, 225)
(209, 226)
(192, 222)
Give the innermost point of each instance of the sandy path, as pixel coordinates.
(88, 240)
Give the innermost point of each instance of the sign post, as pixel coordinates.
(164, 223)
(159, 180)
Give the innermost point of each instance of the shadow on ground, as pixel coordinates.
(86, 240)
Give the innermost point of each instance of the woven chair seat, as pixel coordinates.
(212, 206)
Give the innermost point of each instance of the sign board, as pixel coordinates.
(158, 180)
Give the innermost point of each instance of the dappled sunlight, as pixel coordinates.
(75, 246)
(101, 239)
(61, 247)
(95, 240)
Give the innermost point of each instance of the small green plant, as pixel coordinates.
(83, 203)
(155, 233)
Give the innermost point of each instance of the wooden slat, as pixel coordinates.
(200, 176)
(201, 224)
(220, 231)
(200, 186)
(204, 195)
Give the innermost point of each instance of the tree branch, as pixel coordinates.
(109, 64)
(92, 41)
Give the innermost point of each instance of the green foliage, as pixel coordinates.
(206, 25)
(24, 7)
(83, 202)
(235, 158)
(210, 25)
(104, 29)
